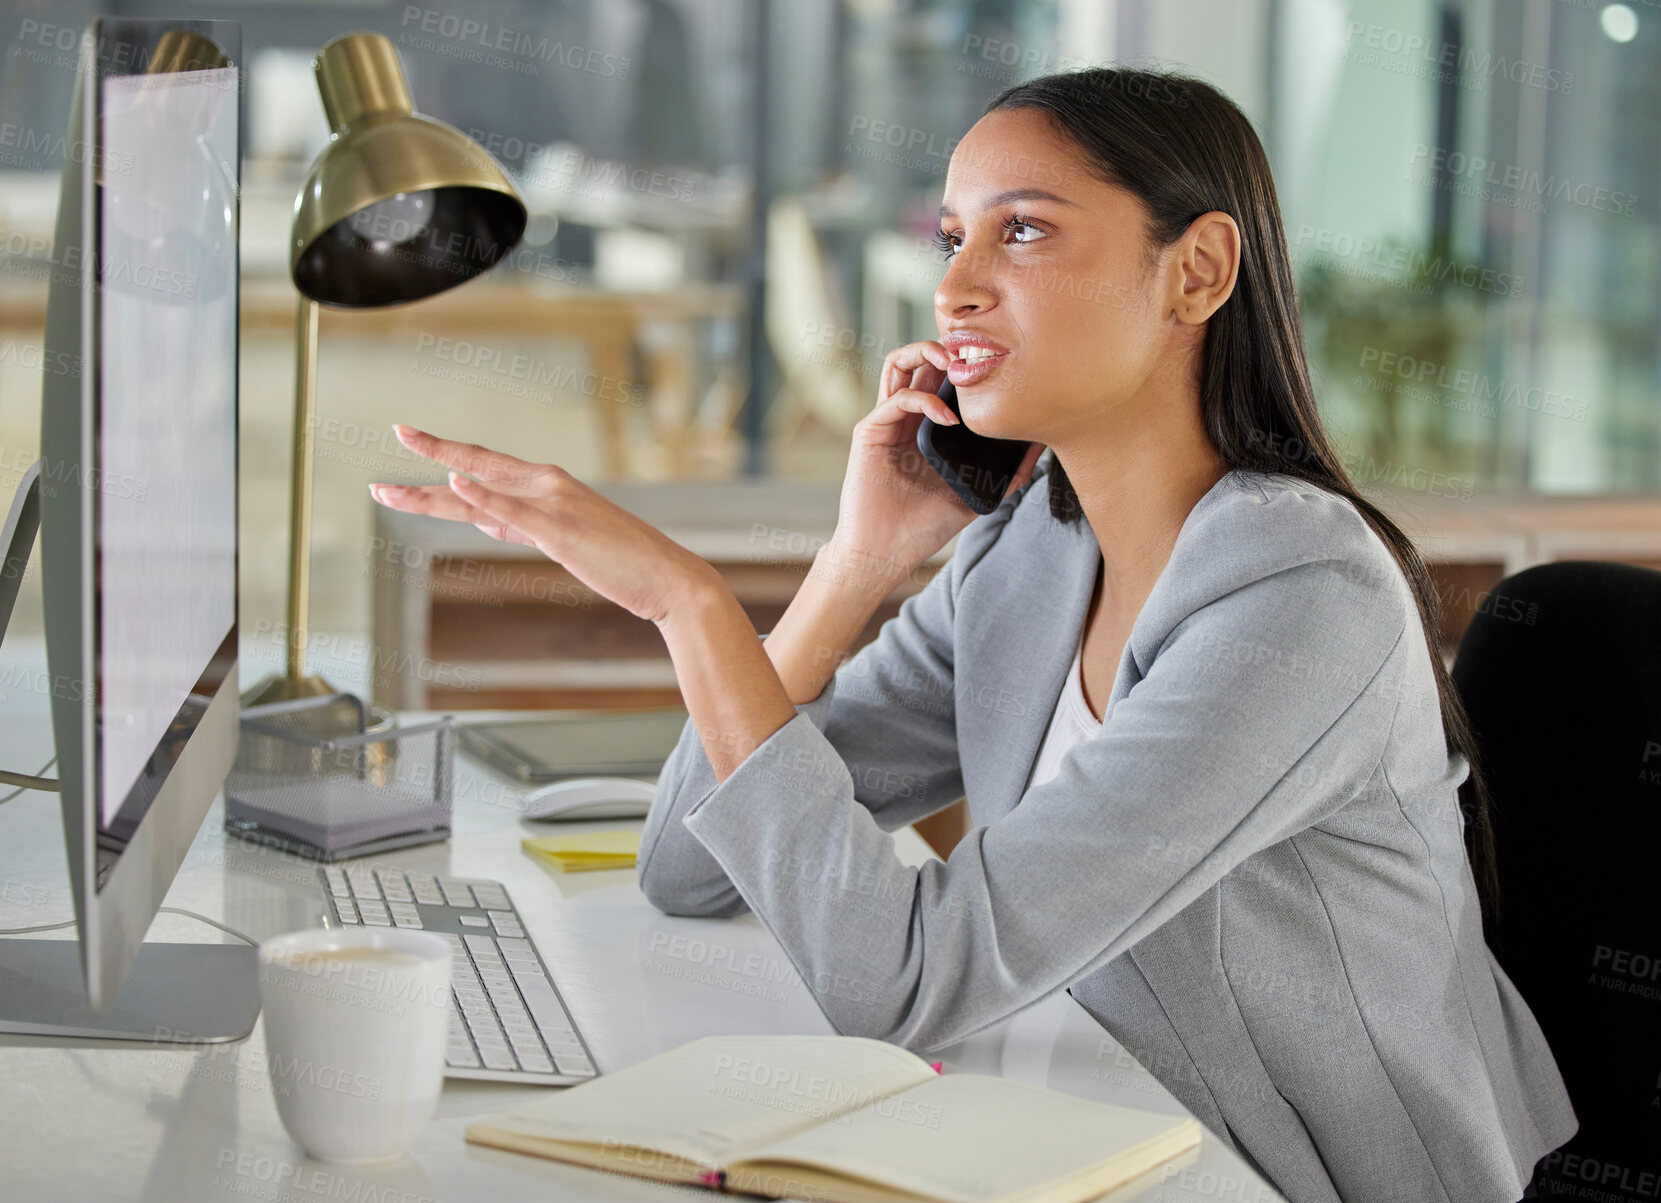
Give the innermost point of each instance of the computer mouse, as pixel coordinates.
(591, 798)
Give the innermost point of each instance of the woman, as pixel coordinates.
(1254, 872)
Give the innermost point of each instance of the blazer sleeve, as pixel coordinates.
(889, 715)
(1278, 656)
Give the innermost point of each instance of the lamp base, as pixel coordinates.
(279, 687)
(349, 718)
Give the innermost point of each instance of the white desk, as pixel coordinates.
(86, 1122)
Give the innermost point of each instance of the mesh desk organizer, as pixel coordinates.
(310, 779)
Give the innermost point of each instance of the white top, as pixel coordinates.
(1071, 722)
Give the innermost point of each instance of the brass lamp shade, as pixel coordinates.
(398, 207)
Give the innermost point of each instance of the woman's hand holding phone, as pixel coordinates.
(896, 510)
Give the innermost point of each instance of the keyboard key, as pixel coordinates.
(425, 888)
(336, 877)
(576, 1064)
(506, 924)
(524, 1040)
(462, 1058)
(491, 897)
(543, 1004)
(536, 1063)
(377, 921)
(474, 921)
(363, 882)
(496, 1058)
(456, 893)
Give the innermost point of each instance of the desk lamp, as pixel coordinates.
(396, 208)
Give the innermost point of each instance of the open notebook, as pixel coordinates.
(841, 1119)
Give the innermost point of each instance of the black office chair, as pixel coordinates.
(1560, 672)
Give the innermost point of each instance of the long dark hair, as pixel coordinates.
(1183, 149)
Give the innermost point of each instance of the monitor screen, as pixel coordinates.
(164, 500)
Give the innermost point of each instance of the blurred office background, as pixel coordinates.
(731, 207)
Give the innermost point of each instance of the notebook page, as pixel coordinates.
(712, 1099)
(969, 1138)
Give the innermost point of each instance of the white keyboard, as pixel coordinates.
(508, 1022)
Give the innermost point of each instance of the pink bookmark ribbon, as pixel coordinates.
(936, 1066)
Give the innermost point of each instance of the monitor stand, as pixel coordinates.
(174, 993)
(17, 540)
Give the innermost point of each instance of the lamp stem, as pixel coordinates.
(299, 515)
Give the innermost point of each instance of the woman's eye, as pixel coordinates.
(1033, 232)
(1024, 230)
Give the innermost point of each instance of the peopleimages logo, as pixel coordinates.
(33, 146)
(1479, 386)
(1467, 61)
(481, 36)
(112, 272)
(35, 358)
(497, 368)
(1519, 180)
(1410, 267)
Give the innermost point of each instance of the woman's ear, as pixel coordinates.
(1208, 263)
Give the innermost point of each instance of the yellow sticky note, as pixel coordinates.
(591, 850)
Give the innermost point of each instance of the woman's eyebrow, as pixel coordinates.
(1013, 194)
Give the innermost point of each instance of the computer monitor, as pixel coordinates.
(137, 511)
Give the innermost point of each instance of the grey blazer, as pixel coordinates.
(1253, 876)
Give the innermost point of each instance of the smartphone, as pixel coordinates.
(978, 468)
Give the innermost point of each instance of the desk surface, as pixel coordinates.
(90, 1122)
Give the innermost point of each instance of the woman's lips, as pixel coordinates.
(961, 372)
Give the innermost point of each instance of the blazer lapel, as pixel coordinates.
(1020, 615)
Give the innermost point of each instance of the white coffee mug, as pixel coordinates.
(356, 1021)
